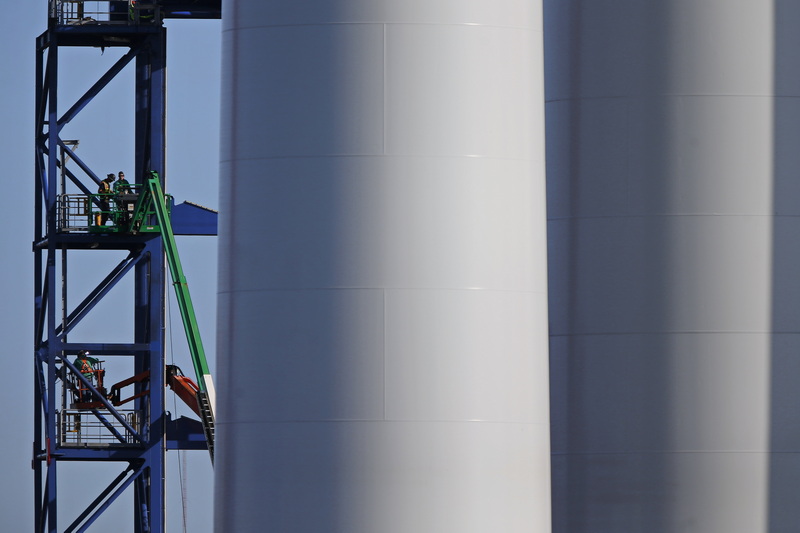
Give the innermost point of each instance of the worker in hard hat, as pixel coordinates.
(88, 367)
(104, 190)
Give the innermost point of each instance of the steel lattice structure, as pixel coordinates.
(138, 436)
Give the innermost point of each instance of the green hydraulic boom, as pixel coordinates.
(153, 195)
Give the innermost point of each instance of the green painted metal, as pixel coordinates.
(132, 213)
(155, 193)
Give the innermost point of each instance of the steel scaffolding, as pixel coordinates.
(65, 429)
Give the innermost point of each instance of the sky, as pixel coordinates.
(105, 132)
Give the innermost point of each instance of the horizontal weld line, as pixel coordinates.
(421, 289)
(379, 23)
(381, 420)
(666, 95)
(675, 452)
(376, 156)
(673, 215)
(677, 332)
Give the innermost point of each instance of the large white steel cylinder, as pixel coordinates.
(673, 134)
(383, 359)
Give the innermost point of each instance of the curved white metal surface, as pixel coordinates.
(383, 323)
(673, 129)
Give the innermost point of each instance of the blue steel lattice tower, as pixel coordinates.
(134, 432)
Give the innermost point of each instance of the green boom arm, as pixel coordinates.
(206, 396)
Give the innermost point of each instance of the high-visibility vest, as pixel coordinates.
(86, 368)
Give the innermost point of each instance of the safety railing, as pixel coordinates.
(97, 428)
(121, 12)
(74, 213)
(104, 212)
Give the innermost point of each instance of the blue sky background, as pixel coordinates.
(105, 131)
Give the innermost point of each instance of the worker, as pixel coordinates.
(124, 200)
(139, 15)
(87, 366)
(122, 186)
(104, 190)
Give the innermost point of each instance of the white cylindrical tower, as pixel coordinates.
(382, 304)
(673, 133)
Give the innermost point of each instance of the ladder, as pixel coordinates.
(207, 416)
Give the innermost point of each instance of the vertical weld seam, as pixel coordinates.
(385, 352)
(384, 90)
(233, 187)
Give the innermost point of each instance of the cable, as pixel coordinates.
(181, 455)
(183, 471)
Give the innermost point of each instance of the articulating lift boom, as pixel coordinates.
(153, 196)
(132, 213)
